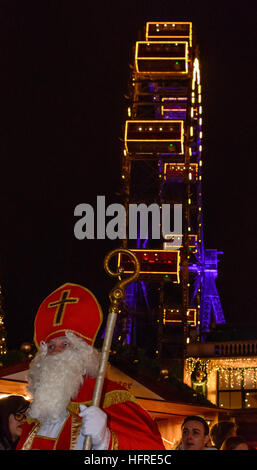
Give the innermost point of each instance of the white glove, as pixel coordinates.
(94, 424)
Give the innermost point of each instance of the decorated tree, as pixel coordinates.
(3, 347)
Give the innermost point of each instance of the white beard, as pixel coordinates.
(55, 379)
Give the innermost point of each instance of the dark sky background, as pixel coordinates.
(64, 70)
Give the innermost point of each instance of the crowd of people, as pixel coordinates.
(61, 382)
(196, 435)
(195, 432)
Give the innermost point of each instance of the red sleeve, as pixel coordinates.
(132, 428)
(25, 432)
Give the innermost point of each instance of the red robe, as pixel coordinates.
(131, 427)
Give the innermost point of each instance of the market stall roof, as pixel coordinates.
(162, 400)
(13, 379)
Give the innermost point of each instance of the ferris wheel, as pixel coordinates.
(175, 298)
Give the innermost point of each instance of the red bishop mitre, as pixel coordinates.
(72, 308)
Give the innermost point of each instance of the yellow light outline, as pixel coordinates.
(196, 73)
(193, 323)
(170, 22)
(170, 321)
(155, 140)
(171, 109)
(168, 99)
(185, 58)
(178, 165)
(175, 98)
(181, 235)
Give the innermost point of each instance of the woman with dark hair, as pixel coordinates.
(235, 443)
(12, 419)
(221, 431)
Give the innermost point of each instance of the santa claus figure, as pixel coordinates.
(62, 378)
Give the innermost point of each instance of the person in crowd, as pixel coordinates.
(220, 431)
(235, 443)
(12, 418)
(62, 379)
(195, 434)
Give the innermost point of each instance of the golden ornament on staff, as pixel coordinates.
(116, 297)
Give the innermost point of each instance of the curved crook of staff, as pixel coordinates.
(116, 296)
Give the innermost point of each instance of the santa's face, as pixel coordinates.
(56, 374)
(58, 345)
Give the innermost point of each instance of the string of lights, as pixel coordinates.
(225, 375)
(3, 347)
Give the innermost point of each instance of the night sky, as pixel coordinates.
(64, 71)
